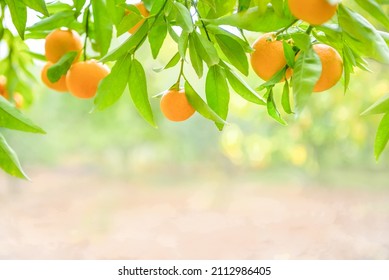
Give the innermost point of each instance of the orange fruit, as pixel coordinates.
(268, 56)
(83, 78)
(59, 85)
(18, 100)
(143, 11)
(175, 106)
(314, 12)
(60, 42)
(3, 84)
(332, 67)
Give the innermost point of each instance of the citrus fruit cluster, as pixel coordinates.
(83, 77)
(17, 98)
(268, 56)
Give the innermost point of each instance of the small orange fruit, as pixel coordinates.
(143, 11)
(59, 85)
(83, 78)
(175, 106)
(18, 100)
(3, 85)
(60, 42)
(332, 67)
(314, 12)
(268, 56)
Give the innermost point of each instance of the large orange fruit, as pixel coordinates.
(60, 42)
(83, 78)
(143, 11)
(59, 85)
(268, 56)
(332, 67)
(315, 12)
(175, 106)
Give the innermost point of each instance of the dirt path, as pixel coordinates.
(84, 216)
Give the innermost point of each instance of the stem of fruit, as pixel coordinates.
(177, 84)
(286, 28)
(202, 22)
(309, 30)
(87, 10)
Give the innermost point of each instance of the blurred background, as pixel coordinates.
(106, 185)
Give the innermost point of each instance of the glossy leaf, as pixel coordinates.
(306, 73)
(37, 5)
(285, 100)
(103, 26)
(217, 92)
(9, 161)
(234, 52)
(111, 87)
(243, 89)
(254, 19)
(138, 90)
(57, 70)
(18, 12)
(184, 19)
(382, 136)
(272, 108)
(205, 49)
(129, 45)
(12, 118)
(195, 59)
(379, 107)
(157, 35)
(172, 62)
(200, 106)
(57, 20)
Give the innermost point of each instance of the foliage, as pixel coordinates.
(209, 32)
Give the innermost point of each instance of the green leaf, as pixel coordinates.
(12, 118)
(272, 108)
(382, 136)
(183, 44)
(127, 22)
(57, 20)
(289, 54)
(157, 36)
(184, 19)
(172, 62)
(37, 5)
(115, 14)
(217, 92)
(129, 45)
(18, 12)
(111, 87)
(218, 30)
(138, 90)
(195, 59)
(243, 5)
(306, 73)
(244, 90)
(254, 19)
(103, 26)
(9, 161)
(285, 100)
(57, 70)
(205, 49)
(275, 79)
(200, 106)
(302, 41)
(78, 4)
(374, 9)
(379, 107)
(234, 52)
(362, 36)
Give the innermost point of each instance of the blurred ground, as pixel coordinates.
(77, 213)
